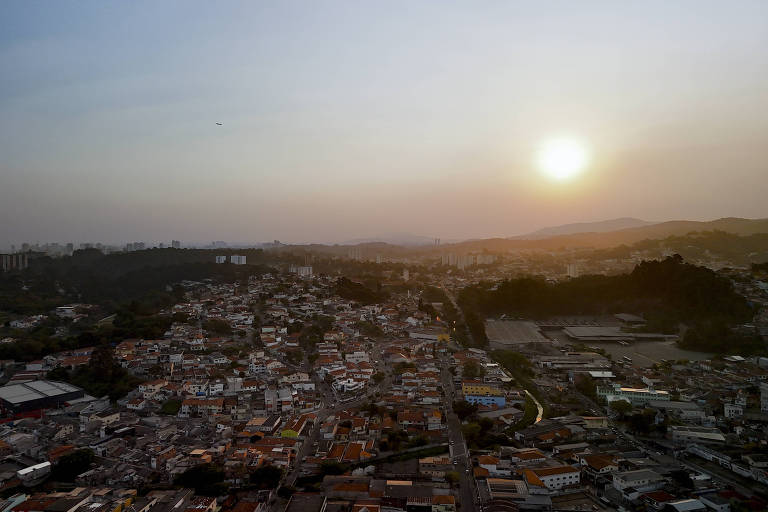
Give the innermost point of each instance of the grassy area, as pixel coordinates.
(529, 416)
(520, 368)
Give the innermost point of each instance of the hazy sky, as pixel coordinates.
(361, 118)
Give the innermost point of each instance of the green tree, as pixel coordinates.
(170, 407)
(621, 407)
(586, 386)
(205, 479)
(370, 329)
(102, 363)
(330, 467)
(472, 370)
(180, 317)
(294, 356)
(476, 326)
(464, 409)
(395, 439)
(266, 476)
(217, 326)
(471, 431)
(71, 465)
(515, 362)
(103, 376)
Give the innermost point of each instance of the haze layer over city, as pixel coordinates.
(336, 256)
(255, 121)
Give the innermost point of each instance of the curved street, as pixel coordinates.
(539, 408)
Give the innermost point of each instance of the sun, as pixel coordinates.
(562, 159)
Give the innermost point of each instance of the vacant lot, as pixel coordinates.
(502, 333)
(646, 353)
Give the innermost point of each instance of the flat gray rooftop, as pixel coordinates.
(34, 390)
(513, 332)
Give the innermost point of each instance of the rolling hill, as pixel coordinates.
(585, 227)
(627, 236)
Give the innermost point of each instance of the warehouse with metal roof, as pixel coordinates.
(36, 395)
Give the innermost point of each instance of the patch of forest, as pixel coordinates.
(669, 293)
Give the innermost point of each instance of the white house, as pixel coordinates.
(733, 411)
(552, 478)
(641, 480)
(137, 404)
(358, 357)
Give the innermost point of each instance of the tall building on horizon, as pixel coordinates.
(18, 261)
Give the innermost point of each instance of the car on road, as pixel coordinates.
(452, 442)
(455, 461)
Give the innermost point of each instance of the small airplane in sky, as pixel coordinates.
(218, 124)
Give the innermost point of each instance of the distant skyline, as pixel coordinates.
(346, 120)
(415, 239)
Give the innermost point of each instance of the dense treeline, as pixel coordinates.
(697, 245)
(705, 244)
(669, 292)
(458, 326)
(476, 326)
(687, 292)
(716, 336)
(109, 280)
(133, 287)
(137, 319)
(103, 376)
(358, 292)
(93, 277)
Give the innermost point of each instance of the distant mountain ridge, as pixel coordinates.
(586, 227)
(403, 244)
(627, 236)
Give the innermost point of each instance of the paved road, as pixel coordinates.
(458, 446)
(718, 474)
(461, 314)
(314, 435)
(333, 406)
(468, 494)
(306, 445)
(539, 408)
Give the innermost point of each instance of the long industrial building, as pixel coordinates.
(605, 333)
(36, 395)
